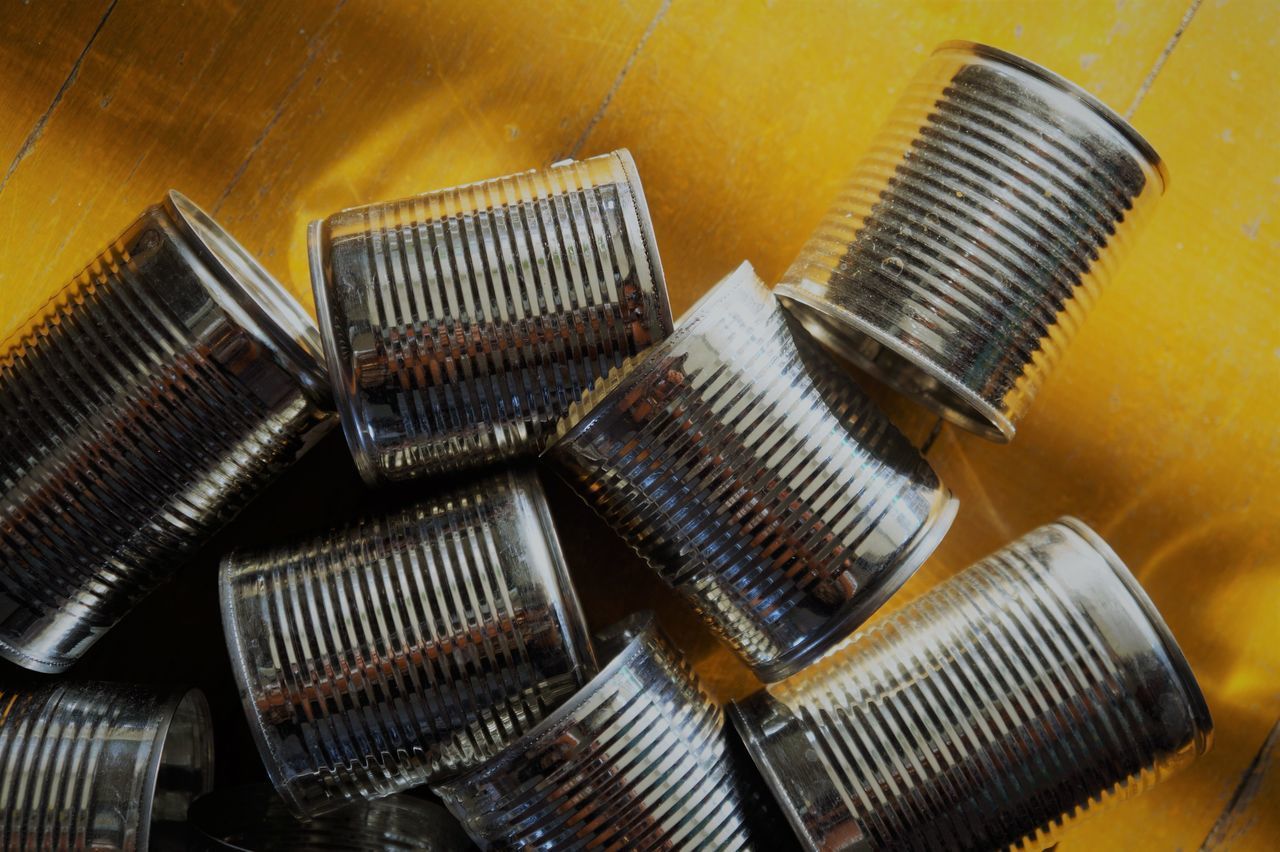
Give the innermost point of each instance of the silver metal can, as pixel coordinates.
(407, 646)
(462, 323)
(254, 818)
(755, 478)
(976, 234)
(1030, 689)
(636, 760)
(100, 766)
(140, 409)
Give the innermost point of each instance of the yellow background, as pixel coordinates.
(1159, 428)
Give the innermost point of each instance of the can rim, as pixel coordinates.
(838, 323)
(1196, 701)
(252, 296)
(341, 373)
(1144, 148)
(263, 736)
(194, 698)
(644, 216)
(526, 486)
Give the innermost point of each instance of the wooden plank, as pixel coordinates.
(43, 46)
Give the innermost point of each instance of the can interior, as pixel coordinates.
(184, 771)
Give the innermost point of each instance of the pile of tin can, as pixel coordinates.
(523, 323)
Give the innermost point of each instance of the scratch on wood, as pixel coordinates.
(37, 129)
(617, 83)
(313, 51)
(1150, 79)
(1220, 835)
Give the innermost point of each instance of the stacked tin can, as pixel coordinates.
(442, 643)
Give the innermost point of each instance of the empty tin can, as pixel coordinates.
(635, 760)
(975, 235)
(1033, 687)
(755, 478)
(255, 820)
(462, 323)
(140, 409)
(100, 766)
(407, 646)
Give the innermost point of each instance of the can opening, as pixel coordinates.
(182, 771)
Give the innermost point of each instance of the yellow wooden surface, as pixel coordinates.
(1159, 428)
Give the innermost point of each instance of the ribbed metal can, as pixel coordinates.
(254, 819)
(140, 409)
(976, 234)
(1036, 686)
(100, 766)
(462, 323)
(404, 647)
(636, 760)
(755, 478)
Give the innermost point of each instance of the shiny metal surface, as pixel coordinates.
(462, 323)
(140, 409)
(975, 236)
(636, 760)
(755, 478)
(1036, 686)
(98, 765)
(404, 647)
(254, 819)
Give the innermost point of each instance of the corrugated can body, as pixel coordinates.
(975, 235)
(1033, 687)
(140, 409)
(404, 647)
(636, 760)
(100, 766)
(755, 478)
(462, 323)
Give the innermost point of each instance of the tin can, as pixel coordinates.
(404, 647)
(755, 478)
(140, 409)
(976, 234)
(1031, 689)
(100, 765)
(462, 323)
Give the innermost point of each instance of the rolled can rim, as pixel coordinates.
(196, 698)
(865, 605)
(1144, 148)
(1201, 716)
(775, 776)
(240, 670)
(274, 317)
(578, 638)
(645, 218)
(629, 637)
(983, 419)
(342, 376)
